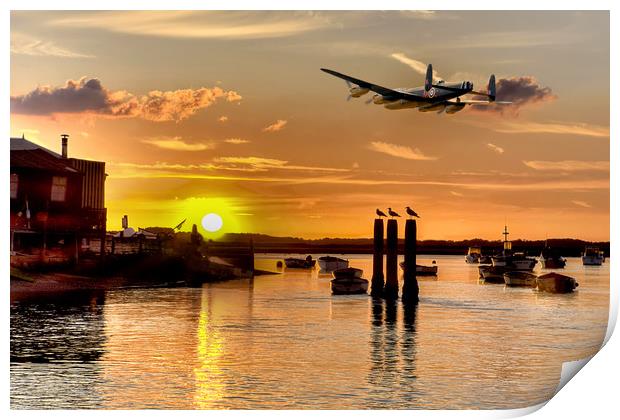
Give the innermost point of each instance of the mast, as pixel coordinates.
(507, 243)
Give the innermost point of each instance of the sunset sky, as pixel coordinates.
(228, 112)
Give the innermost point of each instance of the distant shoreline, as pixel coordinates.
(270, 244)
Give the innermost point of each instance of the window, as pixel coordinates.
(59, 188)
(14, 182)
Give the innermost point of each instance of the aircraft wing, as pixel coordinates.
(475, 102)
(375, 88)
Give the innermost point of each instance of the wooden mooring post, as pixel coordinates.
(390, 290)
(411, 289)
(378, 280)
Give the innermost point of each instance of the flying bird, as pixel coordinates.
(392, 213)
(179, 226)
(411, 212)
(380, 213)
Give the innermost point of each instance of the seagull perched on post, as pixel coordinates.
(380, 213)
(392, 213)
(411, 212)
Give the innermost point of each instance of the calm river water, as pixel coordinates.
(283, 341)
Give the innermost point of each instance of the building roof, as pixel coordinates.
(26, 154)
(20, 143)
(39, 159)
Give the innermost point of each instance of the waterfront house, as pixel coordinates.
(57, 202)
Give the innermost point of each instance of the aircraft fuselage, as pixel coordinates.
(434, 96)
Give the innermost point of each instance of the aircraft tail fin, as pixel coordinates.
(428, 80)
(491, 88)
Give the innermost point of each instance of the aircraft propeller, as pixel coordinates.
(349, 85)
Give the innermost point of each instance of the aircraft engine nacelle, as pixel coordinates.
(357, 91)
(454, 108)
(380, 99)
(432, 108)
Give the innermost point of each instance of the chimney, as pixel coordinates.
(65, 140)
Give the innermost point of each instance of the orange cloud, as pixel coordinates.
(90, 96)
(568, 165)
(415, 65)
(495, 148)
(581, 204)
(236, 141)
(404, 152)
(276, 126)
(176, 143)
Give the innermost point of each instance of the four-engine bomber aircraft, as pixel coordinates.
(430, 97)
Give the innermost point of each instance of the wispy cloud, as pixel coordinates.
(200, 24)
(415, 65)
(495, 148)
(404, 152)
(176, 143)
(421, 14)
(236, 141)
(26, 45)
(581, 204)
(88, 95)
(254, 163)
(209, 171)
(456, 194)
(568, 165)
(223, 118)
(564, 128)
(276, 126)
(577, 129)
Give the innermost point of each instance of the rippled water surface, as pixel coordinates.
(282, 341)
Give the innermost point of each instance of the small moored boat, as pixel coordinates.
(348, 281)
(473, 255)
(485, 259)
(343, 273)
(520, 279)
(592, 256)
(422, 270)
(551, 258)
(300, 262)
(556, 283)
(492, 274)
(329, 263)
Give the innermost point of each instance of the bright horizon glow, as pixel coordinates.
(212, 222)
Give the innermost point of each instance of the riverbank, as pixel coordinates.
(128, 271)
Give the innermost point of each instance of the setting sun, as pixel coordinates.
(212, 222)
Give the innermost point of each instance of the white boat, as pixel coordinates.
(520, 279)
(473, 255)
(556, 283)
(330, 263)
(592, 256)
(515, 260)
(349, 281)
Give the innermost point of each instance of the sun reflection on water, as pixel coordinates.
(208, 374)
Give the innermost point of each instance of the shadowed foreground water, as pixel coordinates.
(282, 341)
